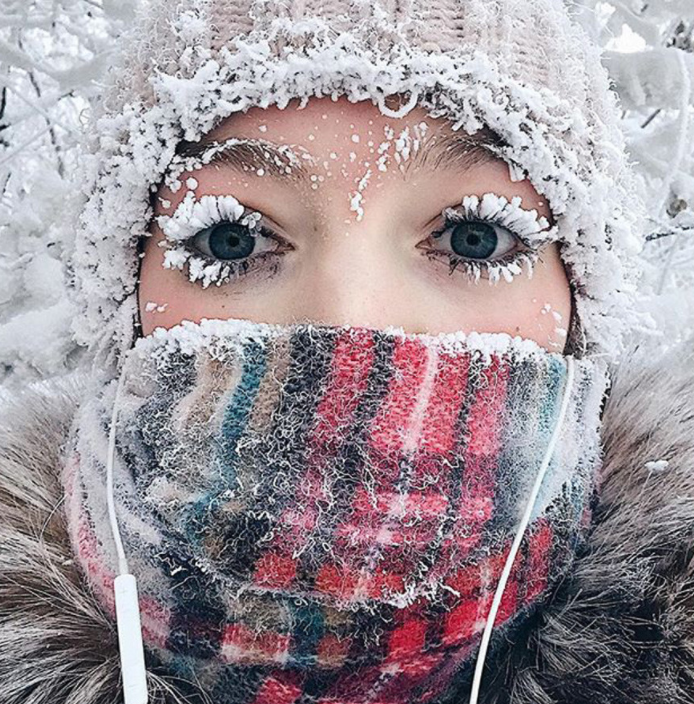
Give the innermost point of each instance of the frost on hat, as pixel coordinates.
(522, 68)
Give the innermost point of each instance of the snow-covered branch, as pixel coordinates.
(52, 55)
(649, 52)
(651, 78)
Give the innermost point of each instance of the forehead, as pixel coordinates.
(286, 142)
(341, 117)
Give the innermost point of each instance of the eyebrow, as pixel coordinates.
(460, 151)
(453, 150)
(247, 154)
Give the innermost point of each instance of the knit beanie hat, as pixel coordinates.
(522, 68)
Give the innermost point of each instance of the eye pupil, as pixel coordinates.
(474, 240)
(231, 241)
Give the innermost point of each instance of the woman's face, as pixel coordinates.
(351, 230)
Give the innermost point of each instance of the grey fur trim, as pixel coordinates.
(57, 645)
(619, 629)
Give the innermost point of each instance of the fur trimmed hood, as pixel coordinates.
(618, 630)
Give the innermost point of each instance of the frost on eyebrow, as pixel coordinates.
(244, 154)
(412, 150)
(461, 150)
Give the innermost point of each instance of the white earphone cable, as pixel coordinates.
(115, 530)
(127, 604)
(130, 643)
(520, 533)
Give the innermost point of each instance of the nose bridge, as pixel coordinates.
(351, 277)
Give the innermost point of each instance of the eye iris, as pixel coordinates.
(474, 240)
(230, 241)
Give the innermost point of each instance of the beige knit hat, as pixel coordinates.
(522, 68)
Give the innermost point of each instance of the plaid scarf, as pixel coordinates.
(321, 514)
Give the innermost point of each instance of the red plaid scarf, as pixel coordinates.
(321, 514)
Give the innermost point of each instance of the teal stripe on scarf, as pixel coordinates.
(549, 414)
(239, 409)
(526, 381)
(233, 425)
(308, 631)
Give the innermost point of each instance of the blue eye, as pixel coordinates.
(230, 249)
(477, 240)
(226, 241)
(474, 240)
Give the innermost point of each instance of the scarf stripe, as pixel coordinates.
(332, 578)
(350, 368)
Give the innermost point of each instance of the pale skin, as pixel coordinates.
(341, 266)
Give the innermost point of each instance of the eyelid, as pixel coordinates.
(261, 234)
(194, 214)
(453, 218)
(529, 231)
(205, 270)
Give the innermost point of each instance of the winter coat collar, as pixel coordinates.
(618, 630)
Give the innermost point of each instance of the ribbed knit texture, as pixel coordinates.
(321, 514)
(533, 40)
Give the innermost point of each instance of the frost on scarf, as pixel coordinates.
(564, 137)
(330, 508)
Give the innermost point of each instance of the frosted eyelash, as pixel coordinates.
(193, 215)
(496, 270)
(198, 269)
(527, 225)
(208, 272)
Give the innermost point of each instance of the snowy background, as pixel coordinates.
(53, 55)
